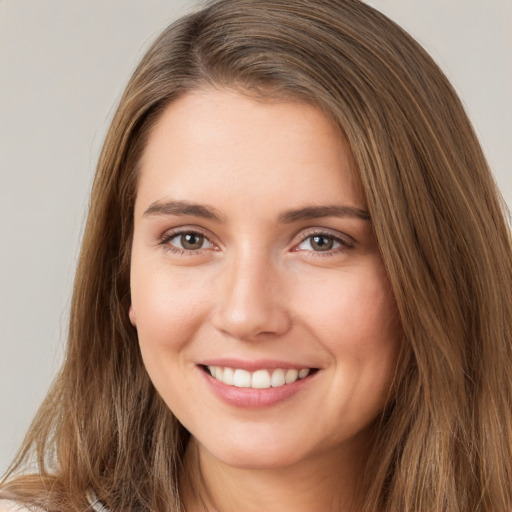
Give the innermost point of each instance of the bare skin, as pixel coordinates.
(305, 488)
(253, 253)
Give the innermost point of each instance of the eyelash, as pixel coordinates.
(167, 237)
(344, 243)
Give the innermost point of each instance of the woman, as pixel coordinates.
(293, 291)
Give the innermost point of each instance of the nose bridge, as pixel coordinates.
(251, 298)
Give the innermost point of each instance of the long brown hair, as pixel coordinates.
(444, 441)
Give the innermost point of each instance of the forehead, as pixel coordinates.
(222, 145)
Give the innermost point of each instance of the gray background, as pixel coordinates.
(63, 65)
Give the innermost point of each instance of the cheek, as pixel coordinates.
(169, 305)
(355, 319)
(352, 312)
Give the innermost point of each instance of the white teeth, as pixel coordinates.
(303, 373)
(242, 379)
(291, 376)
(228, 377)
(259, 379)
(278, 378)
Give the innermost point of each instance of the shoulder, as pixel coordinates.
(12, 506)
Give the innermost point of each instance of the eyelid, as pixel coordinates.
(169, 234)
(346, 240)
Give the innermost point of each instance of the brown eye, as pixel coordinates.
(189, 241)
(322, 243)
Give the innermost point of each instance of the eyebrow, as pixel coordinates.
(315, 212)
(183, 208)
(286, 217)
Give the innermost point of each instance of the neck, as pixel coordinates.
(327, 482)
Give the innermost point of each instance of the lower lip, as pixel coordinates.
(252, 398)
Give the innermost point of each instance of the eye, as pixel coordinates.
(319, 243)
(187, 241)
(323, 243)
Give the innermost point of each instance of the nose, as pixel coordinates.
(251, 303)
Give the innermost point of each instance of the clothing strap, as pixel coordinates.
(95, 503)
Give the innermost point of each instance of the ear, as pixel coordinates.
(131, 314)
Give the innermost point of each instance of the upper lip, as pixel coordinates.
(254, 364)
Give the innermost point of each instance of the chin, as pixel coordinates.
(264, 451)
(258, 458)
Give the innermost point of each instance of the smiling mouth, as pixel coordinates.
(259, 379)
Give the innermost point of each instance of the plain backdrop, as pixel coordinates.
(63, 65)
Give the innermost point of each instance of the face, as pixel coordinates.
(263, 311)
